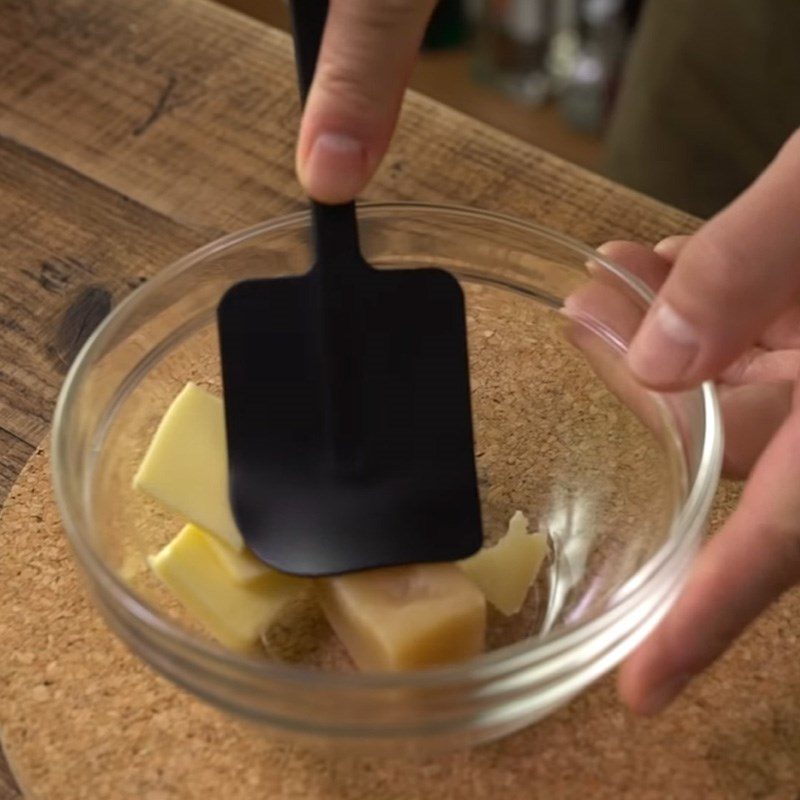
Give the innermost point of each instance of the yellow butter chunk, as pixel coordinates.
(401, 618)
(242, 566)
(506, 571)
(235, 614)
(186, 465)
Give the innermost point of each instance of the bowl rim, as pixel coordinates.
(527, 653)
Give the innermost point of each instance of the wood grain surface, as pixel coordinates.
(133, 132)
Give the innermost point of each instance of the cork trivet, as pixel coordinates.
(83, 718)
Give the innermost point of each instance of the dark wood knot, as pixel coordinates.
(78, 322)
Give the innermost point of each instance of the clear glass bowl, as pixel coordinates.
(620, 478)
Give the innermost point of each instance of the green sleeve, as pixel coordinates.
(710, 92)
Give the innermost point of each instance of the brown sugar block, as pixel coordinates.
(408, 617)
(83, 718)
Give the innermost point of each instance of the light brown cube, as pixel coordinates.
(402, 618)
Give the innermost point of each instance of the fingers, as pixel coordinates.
(653, 266)
(757, 555)
(606, 362)
(751, 415)
(364, 64)
(763, 366)
(747, 565)
(784, 332)
(607, 304)
(729, 281)
(670, 248)
(639, 260)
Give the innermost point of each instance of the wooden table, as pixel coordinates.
(131, 132)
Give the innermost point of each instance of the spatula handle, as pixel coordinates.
(308, 24)
(335, 227)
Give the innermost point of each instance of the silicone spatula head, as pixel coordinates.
(347, 402)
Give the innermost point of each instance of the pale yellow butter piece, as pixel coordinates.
(400, 618)
(233, 613)
(186, 465)
(506, 571)
(242, 566)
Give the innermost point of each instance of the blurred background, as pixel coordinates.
(685, 100)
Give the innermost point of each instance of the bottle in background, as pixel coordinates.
(587, 75)
(511, 48)
(448, 26)
(565, 43)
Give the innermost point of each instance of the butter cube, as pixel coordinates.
(506, 571)
(243, 567)
(235, 614)
(400, 618)
(186, 465)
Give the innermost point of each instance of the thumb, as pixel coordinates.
(365, 61)
(728, 283)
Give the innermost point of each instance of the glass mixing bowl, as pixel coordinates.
(621, 479)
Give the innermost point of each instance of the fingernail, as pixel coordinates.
(661, 696)
(666, 246)
(664, 348)
(608, 250)
(594, 268)
(335, 169)
(568, 306)
(670, 247)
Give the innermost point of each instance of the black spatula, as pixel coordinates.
(347, 401)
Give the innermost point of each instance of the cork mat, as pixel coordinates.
(82, 718)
